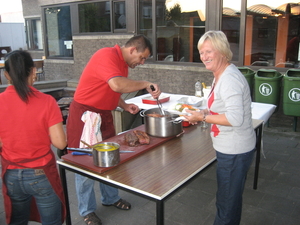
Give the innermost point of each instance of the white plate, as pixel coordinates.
(191, 100)
(177, 112)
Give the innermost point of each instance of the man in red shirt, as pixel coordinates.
(99, 90)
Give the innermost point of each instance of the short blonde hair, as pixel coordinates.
(219, 41)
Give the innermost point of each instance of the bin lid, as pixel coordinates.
(293, 73)
(268, 73)
(246, 70)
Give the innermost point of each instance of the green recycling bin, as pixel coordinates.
(267, 85)
(291, 93)
(249, 75)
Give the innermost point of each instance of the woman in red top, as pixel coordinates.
(30, 122)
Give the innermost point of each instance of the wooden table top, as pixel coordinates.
(167, 166)
(161, 170)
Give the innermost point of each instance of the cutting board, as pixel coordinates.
(86, 161)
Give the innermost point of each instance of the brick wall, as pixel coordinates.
(31, 8)
(58, 69)
(172, 78)
(85, 46)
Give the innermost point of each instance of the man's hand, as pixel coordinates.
(131, 108)
(154, 90)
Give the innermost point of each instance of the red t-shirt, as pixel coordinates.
(93, 89)
(24, 128)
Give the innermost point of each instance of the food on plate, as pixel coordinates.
(154, 114)
(180, 107)
(142, 136)
(137, 137)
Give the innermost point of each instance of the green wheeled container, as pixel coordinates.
(267, 83)
(249, 75)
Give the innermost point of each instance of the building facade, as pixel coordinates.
(262, 34)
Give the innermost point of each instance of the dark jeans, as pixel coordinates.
(22, 185)
(231, 176)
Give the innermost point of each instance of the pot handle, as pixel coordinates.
(180, 134)
(177, 121)
(81, 149)
(142, 113)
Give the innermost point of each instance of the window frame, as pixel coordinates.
(45, 39)
(213, 4)
(29, 33)
(75, 14)
(118, 30)
(131, 22)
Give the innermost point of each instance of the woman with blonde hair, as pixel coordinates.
(229, 113)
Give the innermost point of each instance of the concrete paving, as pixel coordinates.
(275, 202)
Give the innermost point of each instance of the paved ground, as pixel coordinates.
(275, 202)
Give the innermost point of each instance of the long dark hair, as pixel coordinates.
(19, 65)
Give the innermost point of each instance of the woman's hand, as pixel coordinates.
(195, 116)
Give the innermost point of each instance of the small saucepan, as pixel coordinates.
(105, 154)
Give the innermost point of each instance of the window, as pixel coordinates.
(94, 17)
(273, 34)
(178, 27)
(34, 34)
(231, 21)
(63, 21)
(145, 18)
(119, 15)
(264, 34)
(59, 33)
(272, 31)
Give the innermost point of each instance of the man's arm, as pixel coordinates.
(126, 85)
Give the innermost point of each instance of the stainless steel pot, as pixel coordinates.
(105, 154)
(165, 126)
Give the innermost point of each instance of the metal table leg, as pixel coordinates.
(159, 212)
(63, 178)
(258, 132)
